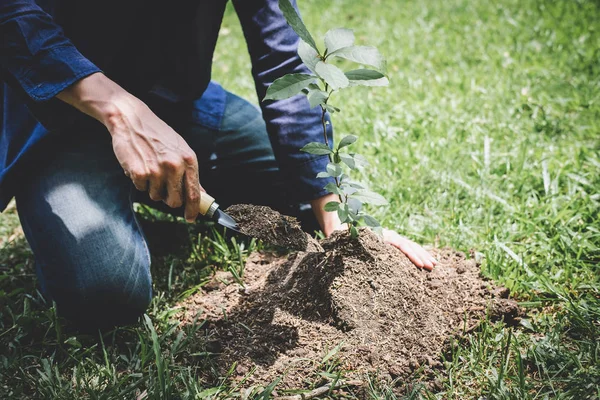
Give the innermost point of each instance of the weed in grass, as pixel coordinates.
(231, 254)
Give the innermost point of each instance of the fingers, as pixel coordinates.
(155, 157)
(140, 181)
(192, 188)
(426, 258)
(175, 182)
(415, 253)
(174, 186)
(156, 191)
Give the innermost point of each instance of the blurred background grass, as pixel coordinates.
(487, 138)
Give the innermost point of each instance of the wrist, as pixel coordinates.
(101, 98)
(329, 221)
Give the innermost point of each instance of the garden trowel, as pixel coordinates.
(210, 208)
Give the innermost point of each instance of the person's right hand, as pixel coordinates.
(152, 154)
(155, 157)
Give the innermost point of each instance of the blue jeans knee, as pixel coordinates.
(105, 293)
(91, 256)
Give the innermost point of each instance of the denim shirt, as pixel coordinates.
(151, 48)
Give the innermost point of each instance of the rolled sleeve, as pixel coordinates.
(303, 179)
(291, 123)
(34, 52)
(55, 70)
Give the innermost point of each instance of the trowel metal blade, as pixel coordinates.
(224, 219)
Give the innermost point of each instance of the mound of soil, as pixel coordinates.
(271, 227)
(359, 294)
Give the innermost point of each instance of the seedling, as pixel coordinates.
(319, 87)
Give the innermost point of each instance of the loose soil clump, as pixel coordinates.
(361, 295)
(271, 227)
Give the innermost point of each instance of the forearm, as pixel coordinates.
(329, 221)
(101, 98)
(291, 123)
(152, 154)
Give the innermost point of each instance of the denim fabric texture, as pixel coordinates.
(76, 212)
(158, 51)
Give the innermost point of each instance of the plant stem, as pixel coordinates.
(337, 181)
(325, 128)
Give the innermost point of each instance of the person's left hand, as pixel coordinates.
(330, 222)
(414, 251)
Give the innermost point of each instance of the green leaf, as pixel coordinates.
(366, 77)
(355, 205)
(368, 197)
(332, 188)
(347, 189)
(337, 38)
(365, 55)
(360, 160)
(72, 341)
(355, 185)
(370, 221)
(294, 20)
(206, 393)
(332, 352)
(527, 324)
(363, 74)
(331, 109)
(334, 170)
(343, 213)
(316, 148)
(352, 213)
(372, 83)
(159, 360)
(267, 393)
(323, 175)
(348, 160)
(288, 86)
(347, 141)
(317, 97)
(309, 56)
(331, 206)
(331, 74)
(353, 232)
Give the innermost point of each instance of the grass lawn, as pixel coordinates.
(487, 138)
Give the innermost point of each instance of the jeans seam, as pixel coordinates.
(33, 244)
(144, 241)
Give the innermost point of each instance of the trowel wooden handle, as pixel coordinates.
(206, 200)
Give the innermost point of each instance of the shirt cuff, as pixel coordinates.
(55, 69)
(303, 183)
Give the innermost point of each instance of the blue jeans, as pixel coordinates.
(91, 255)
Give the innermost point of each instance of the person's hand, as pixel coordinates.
(330, 222)
(153, 155)
(414, 251)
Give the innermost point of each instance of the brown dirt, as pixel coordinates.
(271, 227)
(387, 315)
